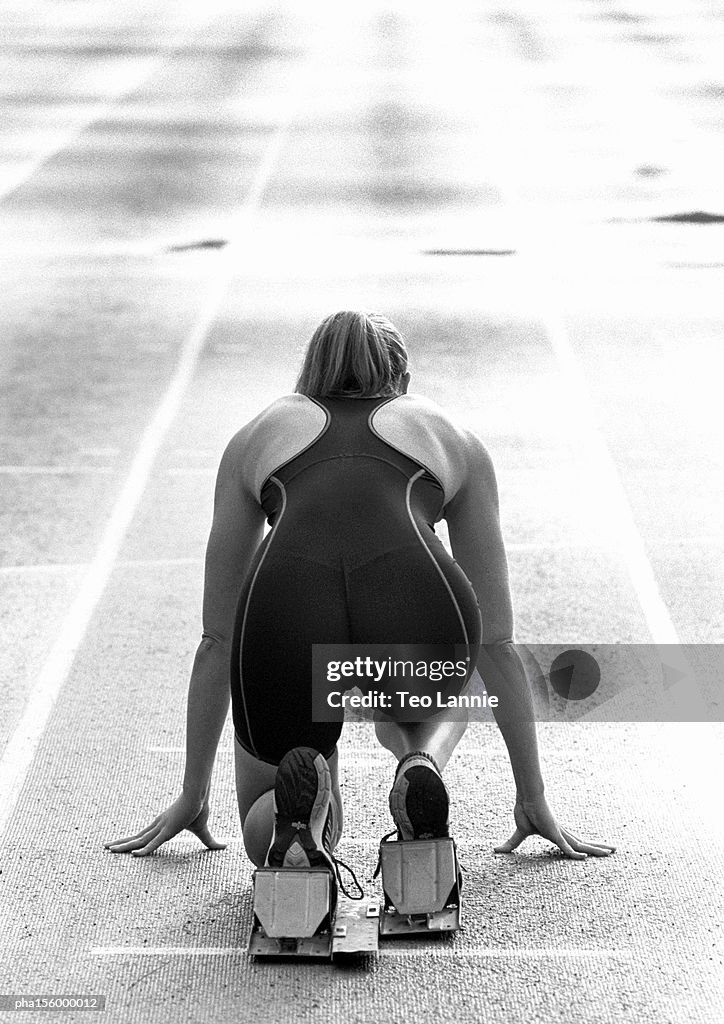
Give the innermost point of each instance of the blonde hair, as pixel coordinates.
(354, 355)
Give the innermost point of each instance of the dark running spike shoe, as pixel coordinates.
(302, 793)
(305, 829)
(419, 800)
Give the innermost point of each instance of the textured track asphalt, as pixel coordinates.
(186, 190)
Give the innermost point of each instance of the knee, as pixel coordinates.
(258, 828)
(388, 729)
(381, 730)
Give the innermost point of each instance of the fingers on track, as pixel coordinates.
(593, 849)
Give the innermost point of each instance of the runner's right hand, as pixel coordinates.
(534, 817)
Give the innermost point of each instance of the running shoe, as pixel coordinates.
(302, 795)
(420, 804)
(304, 826)
(419, 800)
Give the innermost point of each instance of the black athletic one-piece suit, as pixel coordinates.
(352, 558)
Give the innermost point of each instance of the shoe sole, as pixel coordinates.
(302, 794)
(419, 803)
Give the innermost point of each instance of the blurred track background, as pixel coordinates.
(533, 193)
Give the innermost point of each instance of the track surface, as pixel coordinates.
(187, 189)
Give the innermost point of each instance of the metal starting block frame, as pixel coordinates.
(421, 887)
(293, 916)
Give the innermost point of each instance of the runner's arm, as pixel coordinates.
(477, 544)
(236, 531)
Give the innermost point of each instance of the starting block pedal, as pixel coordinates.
(294, 916)
(420, 880)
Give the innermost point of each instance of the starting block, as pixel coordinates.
(421, 887)
(294, 916)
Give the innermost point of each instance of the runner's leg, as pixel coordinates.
(255, 797)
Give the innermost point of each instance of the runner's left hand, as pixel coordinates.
(534, 817)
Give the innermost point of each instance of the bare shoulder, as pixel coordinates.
(422, 428)
(272, 437)
(289, 409)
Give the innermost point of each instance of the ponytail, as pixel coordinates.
(353, 355)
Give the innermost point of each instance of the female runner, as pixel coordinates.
(352, 473)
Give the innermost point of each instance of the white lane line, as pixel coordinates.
(345, 843)
(182, 750)
(20, 750)
(120, 78)
(609, 485)
(127, 78)
(607, 492)
(608, 506)
(167, 950)
(183, 845)
(532, 952)
(345, 760)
